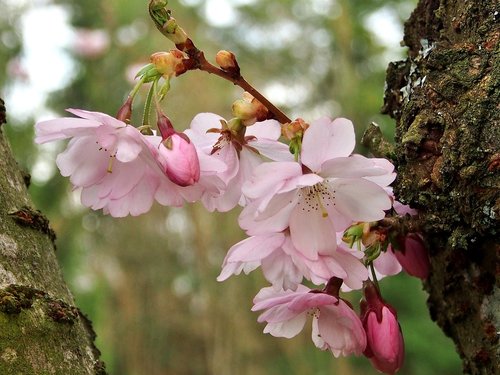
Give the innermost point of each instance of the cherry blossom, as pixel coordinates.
(108, 159)
(336, 326)
(321, 195)
(300, 200)
(210, 134)
(284, 266)
(117, 168)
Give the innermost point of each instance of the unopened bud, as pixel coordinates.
(249, 110)
(158, 4)
(125, 112)
(165, 126)
(353, 234)
(413, 256)
(385, 345)
(227, 61)
(174, 32)
(181, 160)
(294, 129)
(169, 63)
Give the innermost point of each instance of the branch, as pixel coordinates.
(167, 25)
(374, 140)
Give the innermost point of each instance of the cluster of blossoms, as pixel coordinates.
(297, 212)
(312, 209)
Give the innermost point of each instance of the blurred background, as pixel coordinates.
(148, 283)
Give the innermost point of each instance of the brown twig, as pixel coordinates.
(166, 24)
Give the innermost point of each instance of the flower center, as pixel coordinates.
(224, 140)
(112, 157)
(317, 198)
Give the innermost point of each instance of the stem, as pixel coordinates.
(161, 16)
(146, 116)
(374, 140)
(277, 114)
(154, 87)
(374, 276)
(137, 86)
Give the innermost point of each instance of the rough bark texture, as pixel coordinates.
(445, 99)
(41, 332)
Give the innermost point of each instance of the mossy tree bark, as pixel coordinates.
(41, 332)
(445, 99)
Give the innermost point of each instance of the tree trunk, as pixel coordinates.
(445, 99)
(41, 332)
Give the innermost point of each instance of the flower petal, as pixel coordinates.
(351, 167)
(275, 218)
(61, 128)
(359, 199)
(83, 170)
(272, 149)
(311, 232)
(267, 178)
(268, 129)
(325, 140)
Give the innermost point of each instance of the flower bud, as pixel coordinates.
(165, 126)
(181, 160)
(227, 61)
(158, 4)
(294, 129)
(385, 345)
(249, 110)
(125, 112)
(413, 256)
(168, 64)
(174, 32)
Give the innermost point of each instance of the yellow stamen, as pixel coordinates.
(324, 213)
(110, 164)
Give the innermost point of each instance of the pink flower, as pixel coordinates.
(284, 266)
(108, 159)
(210, 134)
(335, 325)
(116, 167)
(387, 264)
(385, 345)
(320, 196)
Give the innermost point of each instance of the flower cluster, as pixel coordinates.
(313, 211)
(301, 202)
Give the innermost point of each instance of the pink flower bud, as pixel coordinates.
(165, 126)
(181, 165)
(385, 345)
(413, 256)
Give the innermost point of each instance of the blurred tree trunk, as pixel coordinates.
(445, 99)
(41, 332)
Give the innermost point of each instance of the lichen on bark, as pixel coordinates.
(444, 98)
(41, 331)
